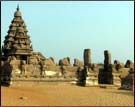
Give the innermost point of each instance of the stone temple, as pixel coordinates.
(19, 63)
(17, 42)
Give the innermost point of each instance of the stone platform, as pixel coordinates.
(33, 80)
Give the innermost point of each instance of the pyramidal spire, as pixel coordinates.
(17, 42)
(18, 7)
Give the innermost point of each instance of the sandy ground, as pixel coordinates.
(64, 95)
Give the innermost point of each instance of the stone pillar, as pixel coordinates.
(87, 57)
(27, 58)
(63, 71)
(82, 74)
(133, 84)
(42, 68)
(107, 75)
(23, 67)
(107, 60)
(131, 78)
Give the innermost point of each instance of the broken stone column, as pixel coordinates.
(107, 72)
(116, 79)
(107, 60)
(87, 57)
(82, 74)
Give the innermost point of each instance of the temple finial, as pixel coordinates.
(18, 7)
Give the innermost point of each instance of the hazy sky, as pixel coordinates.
(60, 29)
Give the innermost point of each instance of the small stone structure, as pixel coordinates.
(78, 63)
(65, 62)
(127, 81)
(92, 75)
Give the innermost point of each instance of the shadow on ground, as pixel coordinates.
(5, 84)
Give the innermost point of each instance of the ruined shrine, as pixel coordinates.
(19, 62)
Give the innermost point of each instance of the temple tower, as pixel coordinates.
(17, 43)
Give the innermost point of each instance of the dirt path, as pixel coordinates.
(64, 95)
